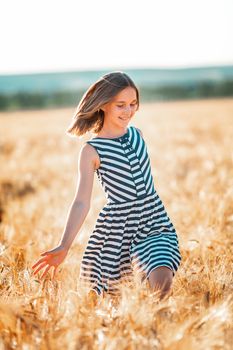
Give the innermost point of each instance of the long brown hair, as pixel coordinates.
(89, 116)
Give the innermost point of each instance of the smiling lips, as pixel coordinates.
(123, 118)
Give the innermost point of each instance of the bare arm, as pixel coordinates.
(81, 203)
(77, 213)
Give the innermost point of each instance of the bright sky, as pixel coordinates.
(57, 35)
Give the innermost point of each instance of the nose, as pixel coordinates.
(127, 110)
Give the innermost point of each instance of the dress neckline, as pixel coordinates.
(114, 138)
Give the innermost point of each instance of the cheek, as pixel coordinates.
(111, 112)
(116, 110)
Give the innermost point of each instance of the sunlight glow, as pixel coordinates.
(71, 35)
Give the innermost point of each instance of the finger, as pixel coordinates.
(54, 271)
(39, 268)
(38, 262)
(46, 270)
(45, 253)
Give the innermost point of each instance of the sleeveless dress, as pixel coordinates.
(133, 231)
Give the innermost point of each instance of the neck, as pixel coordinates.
(109, 133)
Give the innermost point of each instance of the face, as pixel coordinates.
(119, 111)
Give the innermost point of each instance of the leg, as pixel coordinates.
(160, 279)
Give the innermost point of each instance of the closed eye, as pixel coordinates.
(132, 104)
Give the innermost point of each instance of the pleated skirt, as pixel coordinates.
(134, 236)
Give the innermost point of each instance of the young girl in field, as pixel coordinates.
(133, 229)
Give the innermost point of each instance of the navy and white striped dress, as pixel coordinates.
(133, 230)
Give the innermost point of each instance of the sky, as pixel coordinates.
(50, 36)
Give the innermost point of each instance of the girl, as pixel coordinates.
(133, 230)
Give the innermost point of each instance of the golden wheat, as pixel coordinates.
(190, 146)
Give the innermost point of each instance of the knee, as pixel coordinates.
(161, 278)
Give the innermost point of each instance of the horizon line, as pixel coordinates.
(114, 68)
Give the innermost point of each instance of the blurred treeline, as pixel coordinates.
(174, 87)
(24, 100)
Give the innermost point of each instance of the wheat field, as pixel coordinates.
(190, 147)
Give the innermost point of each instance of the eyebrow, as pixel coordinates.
(125, 101)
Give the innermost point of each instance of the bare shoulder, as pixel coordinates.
(86, 168)
(89, 153)
(140, 131)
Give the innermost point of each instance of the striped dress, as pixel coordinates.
(133, 231)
